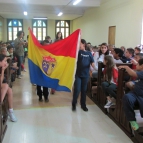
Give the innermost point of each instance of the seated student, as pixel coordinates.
(111, 48)
(117, 54)
(10, 52)
(135, 96)
(5, 89)
(110, 84)
(134, 61)
(3, 51)
(129, 54)
(123, 49)
(95, 49)
(137, 50)
(99, 56)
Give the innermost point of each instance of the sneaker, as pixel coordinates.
(84, 108)
(19, 76)
(12, 117)
(109, 104)
(25, 70)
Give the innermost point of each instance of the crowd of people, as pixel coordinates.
(16, 51)
(109, 55)
(87, 65)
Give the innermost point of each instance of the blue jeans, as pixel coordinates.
(80, 85)
(130, 100)
(20, 61)
(109, 89)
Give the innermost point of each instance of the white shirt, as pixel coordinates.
(98, 59)
(117, 61)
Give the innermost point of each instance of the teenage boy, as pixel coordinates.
(117, 54)
(129, 54)
(134, 97)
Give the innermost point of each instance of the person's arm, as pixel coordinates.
(134, 62)
(2, 74)
(129, 70)
(115, 74)
(96, 56)
(93, 65)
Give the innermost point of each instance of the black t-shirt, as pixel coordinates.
(85, 58)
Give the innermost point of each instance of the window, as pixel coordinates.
(64, 27)
(13, 26)
(39, 29)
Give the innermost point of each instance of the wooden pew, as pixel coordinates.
(91, 89)
(101, 98)
(3, 114)
(120, 115)
(117, 113)
(138, 138)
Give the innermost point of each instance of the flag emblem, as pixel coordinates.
(48, 65)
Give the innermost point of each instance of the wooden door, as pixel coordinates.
(111, 35)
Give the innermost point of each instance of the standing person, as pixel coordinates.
(111, 78)
(19, 51)
(59, 36)
(85, 59)
(45, 91)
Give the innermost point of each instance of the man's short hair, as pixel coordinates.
(119, 52)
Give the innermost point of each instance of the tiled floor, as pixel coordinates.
(54, 122)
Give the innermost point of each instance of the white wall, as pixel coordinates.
(126, 15)
(51, 29)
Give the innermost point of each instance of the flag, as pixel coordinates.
(53, 65)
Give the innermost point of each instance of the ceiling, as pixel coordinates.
(45, 8)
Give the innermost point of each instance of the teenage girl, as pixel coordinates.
(111, 78)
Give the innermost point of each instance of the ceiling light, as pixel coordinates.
(40, 18)
(25, 12)
(60, 14)
(76, 2)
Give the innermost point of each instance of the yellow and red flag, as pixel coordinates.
(53, 65)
